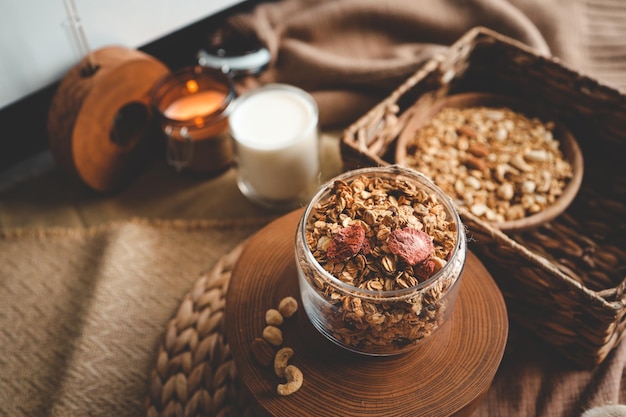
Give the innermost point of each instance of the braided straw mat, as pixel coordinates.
(195, 374)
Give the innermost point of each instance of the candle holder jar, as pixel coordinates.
(379, 253)
(275, 134)
(193, 105)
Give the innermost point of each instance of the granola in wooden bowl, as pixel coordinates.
(493, 155)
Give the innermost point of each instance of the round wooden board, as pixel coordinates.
(447, 375)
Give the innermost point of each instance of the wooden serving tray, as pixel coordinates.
(447, 375)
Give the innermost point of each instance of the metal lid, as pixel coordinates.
(236, 54)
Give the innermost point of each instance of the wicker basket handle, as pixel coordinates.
(620, 292)
(616, 294)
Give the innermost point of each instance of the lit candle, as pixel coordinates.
(276, 141)
(195, 105)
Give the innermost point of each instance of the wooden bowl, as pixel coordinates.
(425, 110)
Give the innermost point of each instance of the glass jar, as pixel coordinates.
(193, 105)
(275, 134)
(369, 280)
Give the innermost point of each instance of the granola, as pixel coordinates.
(378, 241)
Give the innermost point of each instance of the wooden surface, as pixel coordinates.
(100, 124)
(569, 146)
(447, 375)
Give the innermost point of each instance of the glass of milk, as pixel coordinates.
(275, 135)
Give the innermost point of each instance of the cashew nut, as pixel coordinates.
(281, 360)
(473, 182)
(288, 306)
(518, 162)
(438, 262)
(294, 381)
(528, 187)
(262, 352)
(503, 169)
(273, 317)
(537, 155)
(273, 335)
(506, 191)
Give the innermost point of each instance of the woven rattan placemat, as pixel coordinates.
(194, 373)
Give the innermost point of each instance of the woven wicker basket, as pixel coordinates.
(565, 281)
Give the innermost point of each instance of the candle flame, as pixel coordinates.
(192, 86)
(198, 121)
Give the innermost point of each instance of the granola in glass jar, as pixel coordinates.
(379, 251)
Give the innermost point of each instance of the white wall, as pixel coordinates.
(36, 48)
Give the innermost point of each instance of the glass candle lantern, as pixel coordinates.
(193, 105)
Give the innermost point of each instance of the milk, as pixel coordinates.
(275, 132)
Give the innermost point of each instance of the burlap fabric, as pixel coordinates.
(83, 310)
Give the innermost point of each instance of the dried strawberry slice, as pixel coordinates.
(366, 248)
(424, 270)
(412, 245)
(346, 243)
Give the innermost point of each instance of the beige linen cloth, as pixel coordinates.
(88, 283)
